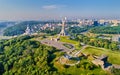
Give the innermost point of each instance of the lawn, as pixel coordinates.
(73, 70)
(67, 40)
(68, 46)
(113, 56)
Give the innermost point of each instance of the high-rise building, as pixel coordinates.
(95, 23)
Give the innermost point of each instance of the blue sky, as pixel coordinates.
(49, 9)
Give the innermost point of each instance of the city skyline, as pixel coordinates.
(56, 9)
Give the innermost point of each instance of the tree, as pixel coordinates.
(115, 71)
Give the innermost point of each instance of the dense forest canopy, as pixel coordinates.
(98, 42)
(22, 56)
(106, 30)
(51, 32)
(20, 28)
(77, 29)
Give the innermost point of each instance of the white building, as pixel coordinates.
(115, 22)
(27, 31)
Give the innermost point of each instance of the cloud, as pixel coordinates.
(49, 7)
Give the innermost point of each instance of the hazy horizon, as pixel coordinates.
(56, 9)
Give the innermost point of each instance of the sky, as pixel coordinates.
(56, 9)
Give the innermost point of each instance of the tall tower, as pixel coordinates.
(63, 33)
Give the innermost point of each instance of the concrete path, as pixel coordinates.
(80, 50)
(57, 44)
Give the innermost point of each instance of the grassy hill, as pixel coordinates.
(85, 67)
(68, 40)
(26, 56)
(113, 56)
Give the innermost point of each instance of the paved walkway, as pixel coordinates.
(75, 55)
(80, 50)
(57, 44)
